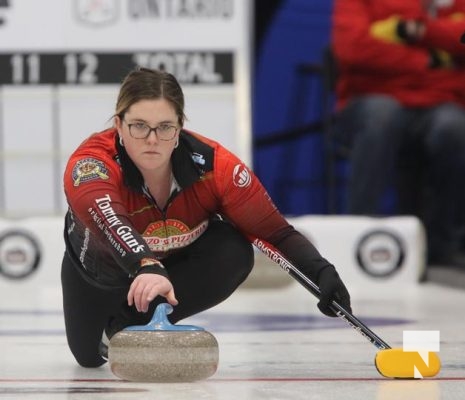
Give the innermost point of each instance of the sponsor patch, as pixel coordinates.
(198, 158)
(87, 170)
(122, 237)
(241, 176)
(162, 236)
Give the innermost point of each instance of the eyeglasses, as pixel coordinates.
(140, 130)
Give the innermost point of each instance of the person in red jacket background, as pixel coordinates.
(157, 214)
(401, 96)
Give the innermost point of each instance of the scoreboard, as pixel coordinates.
(61, 64)
(92, 68)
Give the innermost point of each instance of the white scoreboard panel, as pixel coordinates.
(61, 63)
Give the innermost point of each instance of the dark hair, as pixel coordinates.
(146, 84)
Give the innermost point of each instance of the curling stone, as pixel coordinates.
(162, 352)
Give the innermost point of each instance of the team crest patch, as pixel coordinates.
(89, 169)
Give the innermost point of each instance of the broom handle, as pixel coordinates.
(274, 254)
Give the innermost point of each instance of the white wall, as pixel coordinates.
(392, 249)
(60, 67)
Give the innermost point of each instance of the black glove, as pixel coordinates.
(410, 30)
(332, 288)
(439, 59)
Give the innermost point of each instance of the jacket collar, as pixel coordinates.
(185, 170)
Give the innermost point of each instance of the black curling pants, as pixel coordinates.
(203, 275)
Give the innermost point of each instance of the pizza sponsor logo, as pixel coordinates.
(162, 236)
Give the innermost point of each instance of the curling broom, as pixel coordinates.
(391, 363)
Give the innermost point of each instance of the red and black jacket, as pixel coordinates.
(113, 224)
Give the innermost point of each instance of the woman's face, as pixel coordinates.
(150, 153)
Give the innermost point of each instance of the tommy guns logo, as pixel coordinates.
(123, 231)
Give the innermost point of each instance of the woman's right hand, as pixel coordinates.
(146, 287)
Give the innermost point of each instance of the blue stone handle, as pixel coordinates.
(159, 322)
